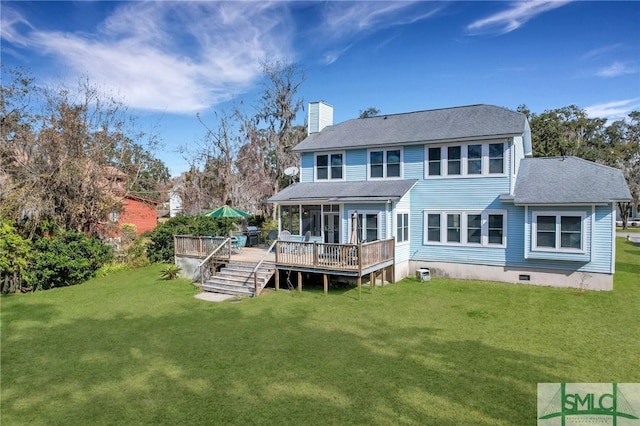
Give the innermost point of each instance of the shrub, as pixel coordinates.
(128, 232)
(14, 254)
(160, 248)
(136, 253)
(170, 272)
(66, 259)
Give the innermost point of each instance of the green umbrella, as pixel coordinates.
(227, 211)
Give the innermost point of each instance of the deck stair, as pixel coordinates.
(236, 278)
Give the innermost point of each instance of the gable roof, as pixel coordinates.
(474, 121)
(360, 191)
(567, 180)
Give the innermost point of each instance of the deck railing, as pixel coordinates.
(219, 254)
(338, 257)
(191, 245)
(327, 256)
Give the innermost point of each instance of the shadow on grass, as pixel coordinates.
(257, 363)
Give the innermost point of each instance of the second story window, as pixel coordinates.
(329, 166)
(435, 157)
(496, 158)
(466, 160)
(454, 162)
(385, 163)
(474, 159)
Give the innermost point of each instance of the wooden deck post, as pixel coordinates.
(325, 278)
(359, 286)
(384, 275)
(277, 279)
(372, 281)
(299, 281)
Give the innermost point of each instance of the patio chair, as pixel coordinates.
(238, 242)
(284, 235)
(271, 237)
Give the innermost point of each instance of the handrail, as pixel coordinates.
(255, 270)
(226, 241)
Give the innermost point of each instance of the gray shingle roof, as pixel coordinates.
(361, 191)
(422, 126)
(557, 180)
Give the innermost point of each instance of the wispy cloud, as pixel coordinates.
(600, 51)
(348, 18)
(175, 57)
(345, 22)
(330, 56)
(616, 69)
(518, 14)
(614, 110)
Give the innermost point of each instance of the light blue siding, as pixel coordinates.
(356, 162)
(307, 164)
(598, 242)
(474, 194)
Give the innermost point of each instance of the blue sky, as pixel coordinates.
(169, 61)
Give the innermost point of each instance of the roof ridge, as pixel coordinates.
(436, 109)
(575, 158)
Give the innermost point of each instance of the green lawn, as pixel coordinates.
(131, 349)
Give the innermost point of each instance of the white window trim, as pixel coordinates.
(464, 157)
(384, 163)
(427, 162)
(484, 241)
(328, 154)
(558, 215)
(378, 213)
(395, 226)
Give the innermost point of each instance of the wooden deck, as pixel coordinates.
(354, 260)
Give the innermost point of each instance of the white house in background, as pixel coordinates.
(175, 203)
(457, 190)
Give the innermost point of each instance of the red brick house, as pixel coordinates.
(139, 211)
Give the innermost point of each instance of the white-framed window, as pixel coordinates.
(474, 228)
(474, 159)
(434, 161)
(558, 231)
(368, 225)
(385, 163)
(330, 166)
(402, 227)
(434, 231)
(454, 228)
(496, 158)
(469, 160)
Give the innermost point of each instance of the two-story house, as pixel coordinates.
(459, 193)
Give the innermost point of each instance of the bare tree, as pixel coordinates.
(279, 106)
(58, 149)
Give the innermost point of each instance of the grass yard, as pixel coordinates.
(131, 349)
